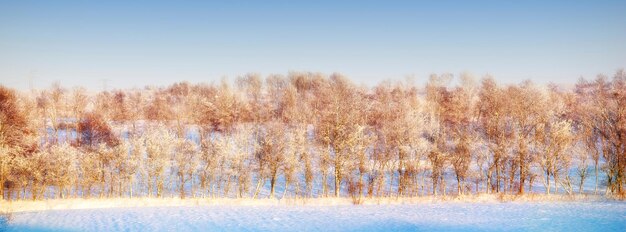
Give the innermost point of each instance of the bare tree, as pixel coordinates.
(308, 129)
(61, 167)
(135, 163)
(57, 103)
(186, 158)
(123, 167)
(340, 125)
(555, 137)
(17, 136)
(439, 98)
(95, 130)
(526, 107)
(78, 104)
(89, 172)
(582, 168)
(493, 125)
(272, 152)
(159, 146)
(603, 115)
(296, 152)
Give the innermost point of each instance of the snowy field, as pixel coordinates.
(438, 216)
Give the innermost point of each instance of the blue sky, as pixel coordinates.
(161, 42)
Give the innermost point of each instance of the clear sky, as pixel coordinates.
(137, 43)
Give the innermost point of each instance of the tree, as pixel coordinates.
(120, 108)
(89, 172)
(122, 166)
(526, 106)
(6, 163)
(57, 100)
(95, 130)
(341, 124)
(136, 102)
(460, 115)
(17, 136)
(159, 147)
(296, 153)
(271, 153)
(78, 104)
(223, 110)
(604, 117)
(582, 169)
(210, 159)
(104, 160)
(61, 168)
(186, 159)
(493, 127)
(136, 162)
(554, 136)
(439, 99)
(244, 148)
(396, 122)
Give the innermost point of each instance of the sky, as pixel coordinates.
(129, 44)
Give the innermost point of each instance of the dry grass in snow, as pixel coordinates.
(96, 203)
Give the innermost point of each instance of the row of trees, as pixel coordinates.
(314, 135)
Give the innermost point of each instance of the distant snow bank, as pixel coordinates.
(98, 203)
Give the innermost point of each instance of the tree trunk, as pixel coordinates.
(159, 187)
(435, 185)
(580, 186)
(360, 183)
(337, 180)
(390, 184)
(297, 192)
(522, 173)
(272, 185)
(240, 186)
(547, 182)
(193, 193)
(102, 185)
(227, 187)
(258, 187)
(286, 187)
(488, 181)
(2, 186)
(596, 170)
(497, 176)
(182, 186)
(556, 183)
(324, 182)
(443, 185)
(458, 185)
(150, 187)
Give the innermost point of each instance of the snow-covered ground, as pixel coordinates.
(433, 216)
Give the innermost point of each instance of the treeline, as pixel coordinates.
(315, 135)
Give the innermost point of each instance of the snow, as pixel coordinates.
(429, 216)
